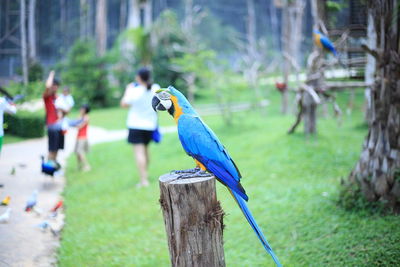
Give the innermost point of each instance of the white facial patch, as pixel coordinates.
(166, 103)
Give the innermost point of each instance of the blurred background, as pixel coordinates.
(292, 115)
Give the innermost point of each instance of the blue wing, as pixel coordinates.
(328, 44)
(200, 142)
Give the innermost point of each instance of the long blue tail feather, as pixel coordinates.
(243, 206)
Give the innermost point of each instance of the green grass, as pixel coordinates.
(292, 183)
(10, 139)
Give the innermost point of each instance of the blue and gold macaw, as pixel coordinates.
(323, 42)
(200, 142)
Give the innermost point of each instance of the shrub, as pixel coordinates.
(27, 125)
(86, 74)
(33, 90)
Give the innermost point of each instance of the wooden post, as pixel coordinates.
(193, 221)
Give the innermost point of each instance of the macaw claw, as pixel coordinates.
(199, 173)
(190, 171)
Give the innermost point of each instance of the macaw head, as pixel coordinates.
(317, 32)
(173, 101)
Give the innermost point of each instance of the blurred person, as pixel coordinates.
(54, 132)
(142, 119)
(64, 103)
(82, 143)
(7, 106)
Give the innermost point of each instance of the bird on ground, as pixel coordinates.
(5, 201)
(57, 206)
(43, 225)
(201, 143)
(32, 201)
(5, 217)
(49, 167)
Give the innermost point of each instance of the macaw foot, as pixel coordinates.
(199, 173)
(190, 171)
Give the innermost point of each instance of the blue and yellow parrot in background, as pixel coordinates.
(323, 42)
(200, 142)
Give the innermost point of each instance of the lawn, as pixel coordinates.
(10, 139)
(292, 183)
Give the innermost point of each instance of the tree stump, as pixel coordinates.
(193, 221)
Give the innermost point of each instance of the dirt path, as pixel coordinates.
(22, 243)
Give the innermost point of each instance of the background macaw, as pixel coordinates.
(200, 142)
(323, 42)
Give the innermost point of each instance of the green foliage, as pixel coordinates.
(35, 72)
(216, 35)
(131, 51)
(333, 8)
(24, 124)
(33, 90)
(197, 64)
(166, 42)
(85, 73)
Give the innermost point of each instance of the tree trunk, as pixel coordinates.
(286, 39)
(134, 14)
(83, 22)
(147, 5)
(292, 18)
(251, 28)
(32, 30)
(315, 69)
(274, 25)
(370, 66)
(377, 171)
(63, 23)
(101, 27)
(24, 54)
(309, 114)
(122, 15)
(193, 221)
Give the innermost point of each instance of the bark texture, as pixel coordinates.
(101, 26)
(378, 169)
(292, 21)
(193, 221)
(24, 48)
(32, 30)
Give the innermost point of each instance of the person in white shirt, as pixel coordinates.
(64, 103)
(5, 106)
(142, 119)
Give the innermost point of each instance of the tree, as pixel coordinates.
(292, 18)
(377, 173)
(24, 54)
(32, 30)
(371, 65)
(101, 27)
(83, 19)
(84, 71)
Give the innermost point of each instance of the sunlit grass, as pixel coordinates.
(292, 183)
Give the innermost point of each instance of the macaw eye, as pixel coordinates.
(164, 96)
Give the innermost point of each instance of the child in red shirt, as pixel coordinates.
(82, 144)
